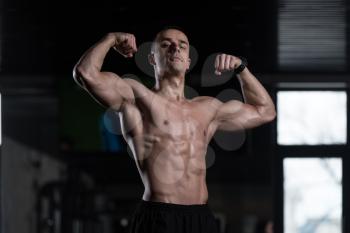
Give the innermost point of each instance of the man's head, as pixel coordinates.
(170, 52)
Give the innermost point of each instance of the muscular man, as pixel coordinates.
(167, 133)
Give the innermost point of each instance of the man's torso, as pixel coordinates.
(169, 141)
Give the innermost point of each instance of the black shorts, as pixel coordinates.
(159, 217)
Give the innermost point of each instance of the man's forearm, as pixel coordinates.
(254, 93)
(92, 60)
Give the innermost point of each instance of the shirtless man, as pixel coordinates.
(167, 133)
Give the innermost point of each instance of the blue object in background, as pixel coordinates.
(112, 139)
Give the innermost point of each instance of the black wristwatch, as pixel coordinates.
(242, 66)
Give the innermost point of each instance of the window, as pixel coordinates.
(312, 195)
(312, 35)
(311, 148)
(311, 117)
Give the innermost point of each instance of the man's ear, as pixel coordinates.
(151, 59)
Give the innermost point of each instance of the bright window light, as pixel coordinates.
(311, 117)
(312, 195)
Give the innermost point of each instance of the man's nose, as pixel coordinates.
(174, 47)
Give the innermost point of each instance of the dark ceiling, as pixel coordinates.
(47, 37)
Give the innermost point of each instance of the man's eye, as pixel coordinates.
(164, 45)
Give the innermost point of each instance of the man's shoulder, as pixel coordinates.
(136, 84)
(206, 100)
(132, 81)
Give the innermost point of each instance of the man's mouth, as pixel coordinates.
(175, 59)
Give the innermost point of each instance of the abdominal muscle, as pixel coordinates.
(173, 170)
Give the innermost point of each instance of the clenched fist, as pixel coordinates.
(124, 43)
(226, 62)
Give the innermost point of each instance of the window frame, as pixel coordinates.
(280, 152)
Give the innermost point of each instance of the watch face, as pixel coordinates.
(241, 67)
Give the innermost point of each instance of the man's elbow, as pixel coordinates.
(77, 76)
(79, 72)
(266, 113)
(269, 115)
(82, 75)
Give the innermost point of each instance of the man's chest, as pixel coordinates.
(188, 120)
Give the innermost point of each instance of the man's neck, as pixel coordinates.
(171, 87)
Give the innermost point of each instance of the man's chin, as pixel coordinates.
(174, 69)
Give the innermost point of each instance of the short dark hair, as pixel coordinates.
(168, 27)
(175, 27)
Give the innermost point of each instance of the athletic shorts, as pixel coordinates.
(159, 217)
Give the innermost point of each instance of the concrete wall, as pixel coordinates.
(23, 171)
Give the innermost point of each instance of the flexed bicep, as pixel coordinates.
(236, 115)
(107, 88)
(110, 90)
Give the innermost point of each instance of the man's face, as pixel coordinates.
(171, 52)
